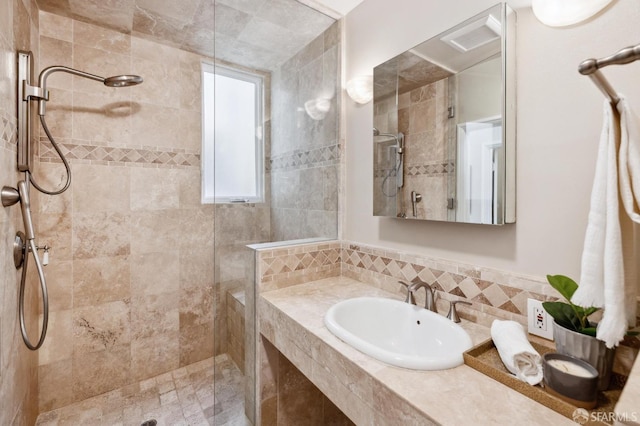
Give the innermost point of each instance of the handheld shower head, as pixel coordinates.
(123, 80)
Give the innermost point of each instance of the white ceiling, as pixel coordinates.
(341, 6)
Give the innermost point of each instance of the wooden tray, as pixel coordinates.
(485, 359)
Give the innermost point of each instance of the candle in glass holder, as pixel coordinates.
(570, 367)
(570, 379)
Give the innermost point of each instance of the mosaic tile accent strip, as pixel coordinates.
(383, 173)
(119, 155)
(302, 159)
(283, 267)
(431, 169)
(8, 130)
(487, 287)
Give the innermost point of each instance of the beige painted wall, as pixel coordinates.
(559, 121)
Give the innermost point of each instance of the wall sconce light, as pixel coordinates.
(562, 13)
(360, 89)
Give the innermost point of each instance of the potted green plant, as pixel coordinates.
(574, 334)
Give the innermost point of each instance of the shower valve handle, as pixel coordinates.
(45, 254)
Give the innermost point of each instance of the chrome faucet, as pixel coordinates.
(453, 314)
(412, 288)
(410, 299)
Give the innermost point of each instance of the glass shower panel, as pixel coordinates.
(295, 51)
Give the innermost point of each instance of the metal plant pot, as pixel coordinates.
(586, 348)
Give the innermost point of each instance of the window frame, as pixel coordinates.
(258, 81)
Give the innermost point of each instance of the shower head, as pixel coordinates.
(399, 138)
(123, 80)
(42, 95)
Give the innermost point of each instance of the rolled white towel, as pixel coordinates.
(516, 352)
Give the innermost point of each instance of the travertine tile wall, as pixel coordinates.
(423, 118)
(235, 326)
(279, 268)
(291, 265)
(305, 152)
(276, 268)
(294, 399)
(131, 274)
(18, 365)
(238, 225)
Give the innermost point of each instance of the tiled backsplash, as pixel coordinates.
(497, 293)
(284, 267)
(492, 292)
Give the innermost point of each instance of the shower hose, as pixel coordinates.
(33, 248)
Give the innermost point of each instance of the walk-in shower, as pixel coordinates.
(25, 242)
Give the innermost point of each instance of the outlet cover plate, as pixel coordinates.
(538, 320)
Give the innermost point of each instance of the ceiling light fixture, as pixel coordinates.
(562, 13)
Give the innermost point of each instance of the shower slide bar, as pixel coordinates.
(591, 68)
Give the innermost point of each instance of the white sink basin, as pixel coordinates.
(398, 333)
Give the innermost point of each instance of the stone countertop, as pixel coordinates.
(293, 320)
(628, 407)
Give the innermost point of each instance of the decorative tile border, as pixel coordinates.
(430, 169)
(300, 159)
(283, 267)
(119, 155)
(383, 173)
(493, 289)
(8, 130)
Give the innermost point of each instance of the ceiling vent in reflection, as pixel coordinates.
(474, 35)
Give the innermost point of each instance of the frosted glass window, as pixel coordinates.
(232, 158)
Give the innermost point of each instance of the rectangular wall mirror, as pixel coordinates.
(444, 125)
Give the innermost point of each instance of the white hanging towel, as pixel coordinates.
(629, 161)
(603, 282)
(629, 179)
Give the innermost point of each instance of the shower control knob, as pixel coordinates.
(45, 254)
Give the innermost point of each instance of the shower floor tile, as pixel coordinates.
(184, 397)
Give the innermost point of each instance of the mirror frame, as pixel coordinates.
(508, 99)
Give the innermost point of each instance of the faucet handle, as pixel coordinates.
(410, 298)
(453, 314)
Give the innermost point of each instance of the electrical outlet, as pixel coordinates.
(539, 320)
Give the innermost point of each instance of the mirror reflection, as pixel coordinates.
(443, 126)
